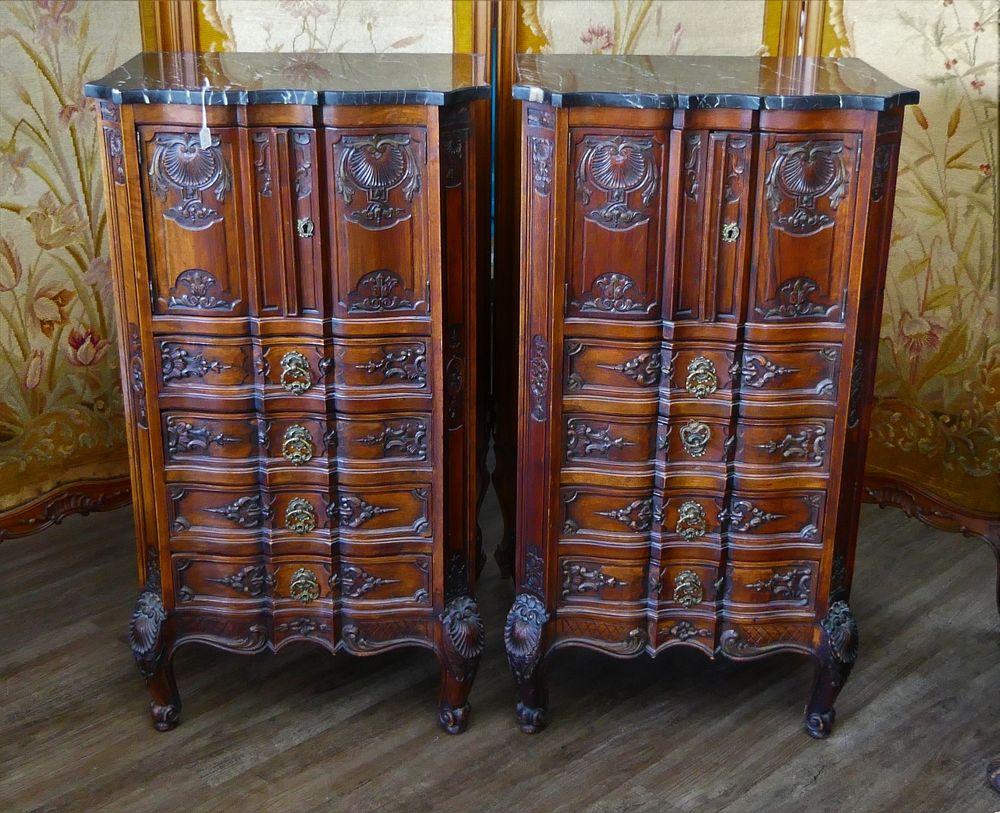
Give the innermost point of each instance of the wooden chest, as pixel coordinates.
(703, 247)
(300, 252)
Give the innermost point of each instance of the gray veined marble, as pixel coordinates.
(693, 82)
(236, 78)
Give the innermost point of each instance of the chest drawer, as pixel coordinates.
(769, 372)
(784, 445)
(216, 368)
(612, 369)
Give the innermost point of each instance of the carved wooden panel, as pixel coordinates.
(807, 187)
(800, 371)
(600, 369)
(198, 513)
(379, 512)
(201, 579)
(285, 194)
(194, 238)
(605, 443)
(771, 519)
(617, 224)
(777, 585)
(586, 580)
(784, 445)
(190, 366)
(385, 581)
(590, 513)
(378, 222)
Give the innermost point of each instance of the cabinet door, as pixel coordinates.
(379, 222)
(617, 224)
(712, 232)
(806, 196)
(285, 196)
(191, 196)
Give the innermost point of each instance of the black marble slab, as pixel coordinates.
(236, 78)
(695, 82)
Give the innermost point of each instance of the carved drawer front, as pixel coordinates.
(702, 373)
(712, 227)
(294, 372)
(603, 443)
(686, 628)
(378, 512)
(391, 440)
(766, 520)
(378, 219)
(609, 369)
(221, 581)
(586, 580)
(298, 516)
(299, 581)
(617, 224)
(193, 439)
(806, 194)
(685, 585)
(191, 198)
(381, 368)
(604, 516)
(784, 585)
(288, 237)
(690, 520)
(805, 371)
(220, 369)
(386, 581)
(791, 444)
(198, 514)
(693, 442)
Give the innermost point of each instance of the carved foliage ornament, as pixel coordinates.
(354, 511)
(578, 577)
(584, 440)
(375, 165)
(617, 167)
(610, 293)
(356, 581)
(252, 580)
(841, 630)
(637, 515)
(794, 584)
(409, 437)
(805, 172)
(196, 288)
(177, 363)
(538, 378)
(794, 300)
(541, 164)
(247, 511)
(408, 363)
(116, 154)
(377, 292)
(180, 163)
(644, 369)
(137, 377)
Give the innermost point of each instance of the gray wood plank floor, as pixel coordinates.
(301, 731)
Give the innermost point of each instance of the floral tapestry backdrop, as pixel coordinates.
(641, 27)
(60, 397)
(937, 419)
(332, 25)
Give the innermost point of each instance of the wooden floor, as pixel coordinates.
(301, 731)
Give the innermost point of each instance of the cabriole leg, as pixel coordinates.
(146, 637)
(462, 642)
(523, 635)
(834, 660)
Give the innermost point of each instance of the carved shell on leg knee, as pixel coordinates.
(464, 627)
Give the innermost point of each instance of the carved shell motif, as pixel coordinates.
(179, 162)
(841, 630)
(464, 627)
(522, 634)
(375, 165)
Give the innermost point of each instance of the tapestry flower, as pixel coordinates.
(56, 225)
(920, 333)
(31, 374)
(54, 22)
(86, 348)
(10, 266)
(49, 308)
(304, 8)
(12, 164)
(599, 37)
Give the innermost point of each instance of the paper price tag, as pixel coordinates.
(204, 134)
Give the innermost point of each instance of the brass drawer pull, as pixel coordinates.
(730, 233)
(295, 375)
(691, 521)
(297, 446)
(695, 436)
(304, 586)
(687, 589)
(702, 378)
(300, 516)
(305, 227)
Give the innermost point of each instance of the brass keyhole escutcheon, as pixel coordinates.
(300, 516)
(297, 446)
(730, 233)
(702, 378)
(691, 522)
(305, 227)
(695, 436)
(687, 589)
(304, 585)
(295, 375)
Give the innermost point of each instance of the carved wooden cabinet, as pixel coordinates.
(703, 247)
(300, 290)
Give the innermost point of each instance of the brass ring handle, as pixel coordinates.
(297, 445)
(702, 378)
(730, 233)
(300, 516)
(687, 589)
(295, 375)
(304, 585)
(305, 227)
(691, 521)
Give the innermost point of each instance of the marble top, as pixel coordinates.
(236, 78)
(747, 82)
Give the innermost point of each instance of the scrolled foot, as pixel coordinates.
(834, 661)
(530, 720)
(819, 726)
(165, 718)
(454, 720)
